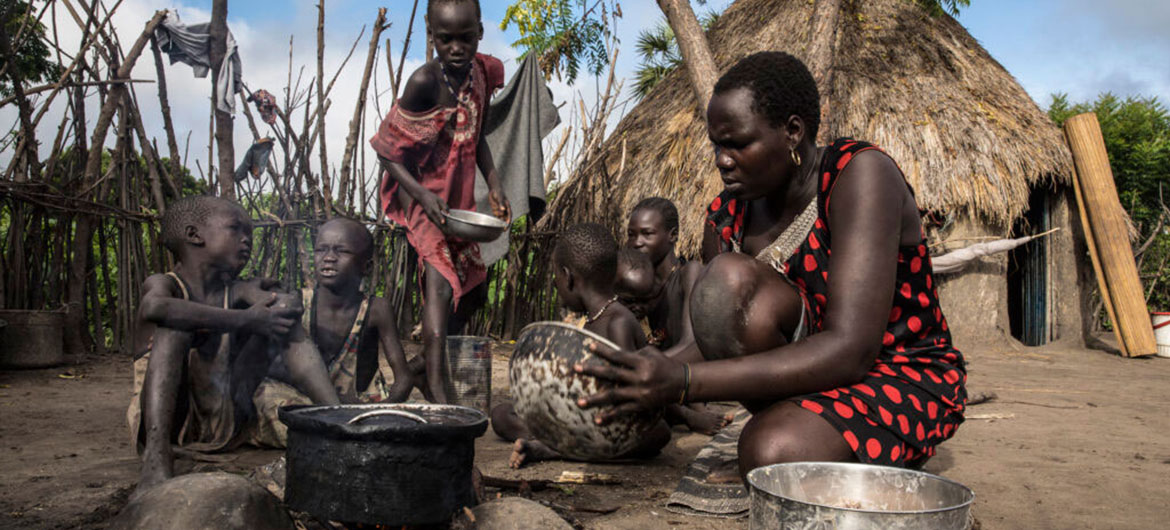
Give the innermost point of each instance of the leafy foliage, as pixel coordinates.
(32, 52)
(564, 34)
(938, 7)
(1137, 137)
(659, 55)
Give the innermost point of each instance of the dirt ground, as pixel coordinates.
(1075, 439)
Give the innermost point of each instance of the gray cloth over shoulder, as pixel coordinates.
(191, 45)
(519, 117)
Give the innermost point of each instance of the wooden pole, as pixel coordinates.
(359, 108)
(326, 184)
(164, 102)
(1117, 273)
(31, 159)
(405, 47)
(223, 120)
(52, 86)
(79, 267)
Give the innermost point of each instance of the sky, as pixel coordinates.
(1078, 47)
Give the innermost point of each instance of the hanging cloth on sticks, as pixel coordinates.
(191, 45)
(266, 104)
(519, 117)
(255, 160)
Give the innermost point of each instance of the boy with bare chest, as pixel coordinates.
(355, 333)
(203, 340)
(349, 327)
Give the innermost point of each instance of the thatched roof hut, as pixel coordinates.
(970, 140)
(967, 135)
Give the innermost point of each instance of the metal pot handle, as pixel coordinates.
(386, 412)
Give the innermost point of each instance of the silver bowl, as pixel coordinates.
(855, 496)
(474, 226)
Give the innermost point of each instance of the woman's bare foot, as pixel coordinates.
(704, 421)
(526, 451)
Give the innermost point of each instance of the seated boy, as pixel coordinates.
(203, 340)
(585, 265)
(349, 329)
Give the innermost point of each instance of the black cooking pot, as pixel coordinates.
(400, 464)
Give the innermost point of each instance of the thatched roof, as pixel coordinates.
(966, 134)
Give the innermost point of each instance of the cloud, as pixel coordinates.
(1077, 47)
(1127, 21)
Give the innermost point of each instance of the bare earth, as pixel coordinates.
(1076, 439)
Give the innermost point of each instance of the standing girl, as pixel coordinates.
(429, 146)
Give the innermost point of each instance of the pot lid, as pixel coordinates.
(386, 421)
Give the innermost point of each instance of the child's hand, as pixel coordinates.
(434, 207)
(500, 206)
(272, 319)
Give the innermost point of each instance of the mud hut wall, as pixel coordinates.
(1069, 271)
(974, 300)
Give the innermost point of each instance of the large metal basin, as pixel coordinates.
(824, 495)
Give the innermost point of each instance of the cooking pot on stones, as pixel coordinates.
(394, 464)
(546, 389)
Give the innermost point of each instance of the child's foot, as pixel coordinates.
(528, 451)
(704, 421)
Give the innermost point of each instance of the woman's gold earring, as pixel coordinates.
(795, 156)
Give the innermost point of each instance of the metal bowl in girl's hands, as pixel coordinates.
(473, 226)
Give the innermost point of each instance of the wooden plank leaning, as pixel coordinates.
(1107, 237)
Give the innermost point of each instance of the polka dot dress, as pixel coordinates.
(914, 396)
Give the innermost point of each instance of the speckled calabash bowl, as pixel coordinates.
(546, 389)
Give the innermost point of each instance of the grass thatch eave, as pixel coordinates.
(969, 138)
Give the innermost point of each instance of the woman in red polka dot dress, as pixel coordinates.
(817, 309)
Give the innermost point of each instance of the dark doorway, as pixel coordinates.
(1029, 307)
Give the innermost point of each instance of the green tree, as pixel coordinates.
(658, 54)
(563, 33)
(938, 7)
(1137, 137)
(32, 52)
